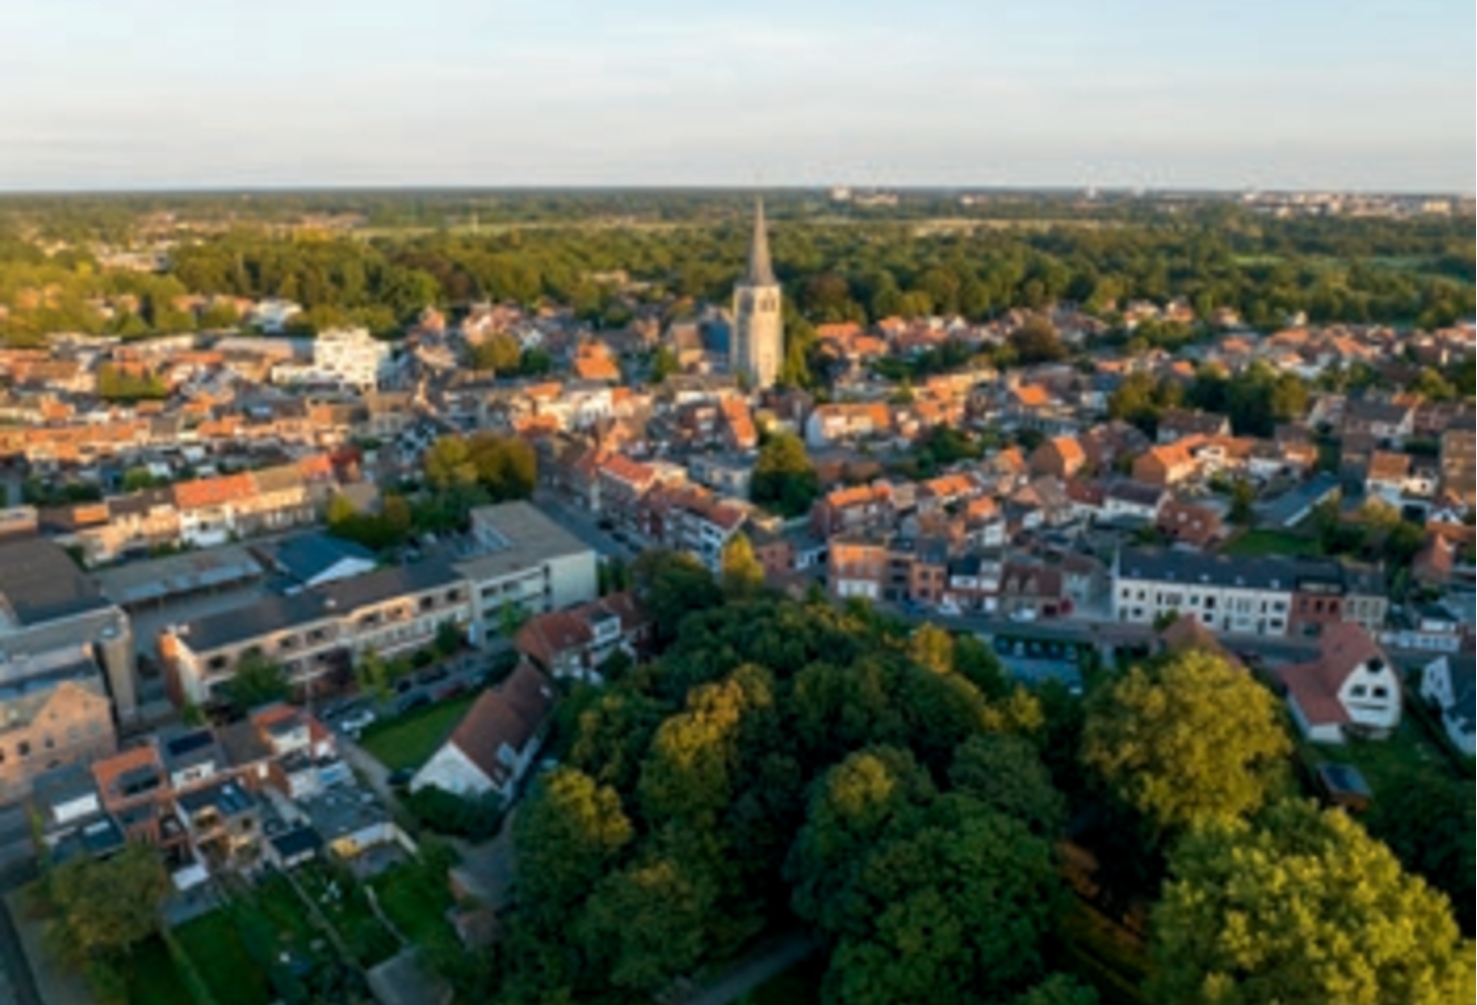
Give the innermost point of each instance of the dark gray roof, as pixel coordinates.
(1287, 506)
(40, 583)
(309, 555)
(1463, 708)
(228, 798)
(1375, 411)
(317, 604)
(297, 841)
(1134, 492)
(1268, 573)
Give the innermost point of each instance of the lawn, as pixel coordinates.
(1384, 763)
(343, 902)
(214, 945)
(152, 978)
(415, 897)
(409, 740)
(1254, 543)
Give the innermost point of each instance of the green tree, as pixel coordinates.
(1301, 906)
(1427, 820)
(499, 353)
(568, 834)
(104, 907)
(1058, 989)
(671, 585)
(784, 478)
(1185, 739)
(1243, 495)
(257, 681)
(1037, 341)
(1006, 774)
(932, 647)
(448, 463)
(663, 364)
(741, 572)
(373, 674)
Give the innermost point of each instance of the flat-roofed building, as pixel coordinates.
(524, 563)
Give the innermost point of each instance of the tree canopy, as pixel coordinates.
(1302, 905)
(1185, 739)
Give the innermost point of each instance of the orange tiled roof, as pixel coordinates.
(203, 492)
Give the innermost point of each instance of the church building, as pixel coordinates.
(757, 348)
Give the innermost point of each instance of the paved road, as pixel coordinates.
(585, 526)
(767, 961)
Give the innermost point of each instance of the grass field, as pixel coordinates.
(1385, 763)
(1254, 543)
(408, 741)
(415, 898)
(152, 978)
(343, 902)
(214, 945)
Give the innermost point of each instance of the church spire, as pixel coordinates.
(761, 272)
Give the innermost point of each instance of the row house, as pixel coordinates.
(854, 510)
(856, 567)
(1176, 424)
(691, 519)
(575, 643)
(1389, 423)
(1166, 466)
(833, 423)
(1270, 596)
(620, 485)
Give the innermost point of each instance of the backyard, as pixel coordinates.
(408, 741)
(415, 897)
(214, 944)
(152, 978)
(1255, 543)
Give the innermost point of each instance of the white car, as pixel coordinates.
(1025, 615)
(355, 721)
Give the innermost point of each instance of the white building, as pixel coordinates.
(1351, 689)
(1450, 684)
(523, 563)
(492, 748)
(353, 358)
(1247, 597)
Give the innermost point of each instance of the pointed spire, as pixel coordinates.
(761, 272)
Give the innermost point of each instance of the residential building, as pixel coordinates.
(316, 633)
(1178, 423)
(353, 358)
(524, 563)
(55, 625)
(1165, 466)
(1449, 684)
(1061, 456)
(856, 567)
(574, 643)
(494, 745)
(1351, 689)
(1189, 523)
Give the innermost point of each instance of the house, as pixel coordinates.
(1188, 523)
(1133, 500)
(1385, 421)
(1351, 689)
(574, 643)
(493, 746)
(1165, 466)
(1386, 476)
(621, 484)
(1447, 682)
(855, 567)
(1061, 456)
(1178, 423)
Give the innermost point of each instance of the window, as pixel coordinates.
(1381, 692)
(1358, 691)
(1210, 603)
(23, 749)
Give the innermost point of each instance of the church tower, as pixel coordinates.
(758, 345)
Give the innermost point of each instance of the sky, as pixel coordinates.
(1231, 94)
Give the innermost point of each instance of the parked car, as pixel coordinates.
(357, 720)
(400, 777)
(431, 675)
(1023, 615)
(411, 702)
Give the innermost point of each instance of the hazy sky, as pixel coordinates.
(1223, 93)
